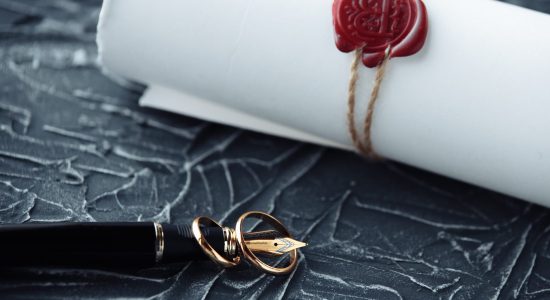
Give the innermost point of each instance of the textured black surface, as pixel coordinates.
(75, 146)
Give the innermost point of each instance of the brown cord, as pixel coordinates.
(364, 147)
(354, 76)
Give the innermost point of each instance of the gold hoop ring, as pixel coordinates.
(251, 257)
(206, 247)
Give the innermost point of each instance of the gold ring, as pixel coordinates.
(251, 257)
(205, 246)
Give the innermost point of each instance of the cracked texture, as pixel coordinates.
(75, 146)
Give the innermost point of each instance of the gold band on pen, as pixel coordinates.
(159, 242)
(229, 242)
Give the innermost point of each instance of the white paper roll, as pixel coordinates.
(474, 104)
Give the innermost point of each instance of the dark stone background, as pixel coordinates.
(75, 146)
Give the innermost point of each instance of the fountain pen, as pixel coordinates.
(143, 244)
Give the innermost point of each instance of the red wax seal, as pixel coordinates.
(375, 25)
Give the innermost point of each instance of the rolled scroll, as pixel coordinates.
(474, 104)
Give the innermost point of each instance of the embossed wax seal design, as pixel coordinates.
(375, 25)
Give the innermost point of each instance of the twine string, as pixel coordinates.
(364, 146)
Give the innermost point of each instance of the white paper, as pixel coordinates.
(474, 104)
(178, 102)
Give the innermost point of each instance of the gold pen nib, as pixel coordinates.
(275, 246)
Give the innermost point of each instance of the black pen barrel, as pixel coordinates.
(100, 244)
